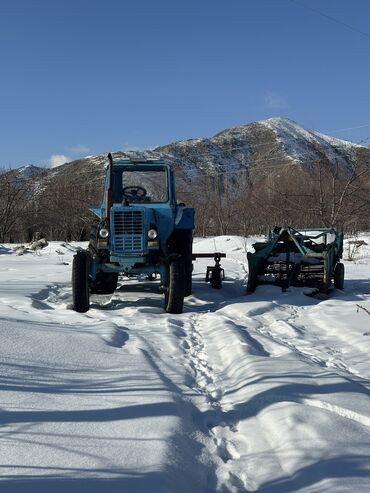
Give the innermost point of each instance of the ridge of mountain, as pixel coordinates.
(257, 148)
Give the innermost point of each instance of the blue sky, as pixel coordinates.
(80, 77)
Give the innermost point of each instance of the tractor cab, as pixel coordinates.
(143, 184)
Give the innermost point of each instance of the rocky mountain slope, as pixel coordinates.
(257, 148)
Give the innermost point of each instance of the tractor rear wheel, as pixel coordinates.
(175, 289)
(80, 282)
(182, 243)
(188, 276)
(339, 276)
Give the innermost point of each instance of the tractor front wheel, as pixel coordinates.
(80, 282)
(175, 289)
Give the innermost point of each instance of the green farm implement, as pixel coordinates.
(291, 257)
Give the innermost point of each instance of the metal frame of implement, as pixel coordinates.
(292, 257)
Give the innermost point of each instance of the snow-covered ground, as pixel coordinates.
(267, 392)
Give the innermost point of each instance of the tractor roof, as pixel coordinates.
(135, 161)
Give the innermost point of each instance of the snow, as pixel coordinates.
(296, 140)
(267, 392)
(30, 171)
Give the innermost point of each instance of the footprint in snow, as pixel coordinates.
(185, 345)
(114, 336)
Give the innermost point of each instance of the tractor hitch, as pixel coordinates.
(215, 273)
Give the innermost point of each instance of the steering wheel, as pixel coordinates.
(134, 193)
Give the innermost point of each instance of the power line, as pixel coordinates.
(348, 128)
(363, 141)
(333, 19)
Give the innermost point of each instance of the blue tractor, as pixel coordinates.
(140, 229)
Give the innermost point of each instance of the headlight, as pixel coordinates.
(103, 233)
(152, 234)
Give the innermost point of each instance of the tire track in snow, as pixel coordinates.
(338, 410)
(228, 445)
(285, 332)
(279, 324)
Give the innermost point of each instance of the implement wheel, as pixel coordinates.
(175, 289)
(326, 281)
(216, 278)
(339, 276)
(80, 282)
(252, 281)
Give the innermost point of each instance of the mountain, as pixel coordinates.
(257, 148)
(31, 171)
(268, 158)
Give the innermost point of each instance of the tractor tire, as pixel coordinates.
(216, 278)
(105, 283)
(339, 276)
(182, 243)
(188, 276)
(80, 282)
(175, 289)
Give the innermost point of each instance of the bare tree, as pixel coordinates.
(16, 193)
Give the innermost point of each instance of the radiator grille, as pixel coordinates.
(128, 231)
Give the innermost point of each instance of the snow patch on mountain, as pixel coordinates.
(30, 171)
(301, 144)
